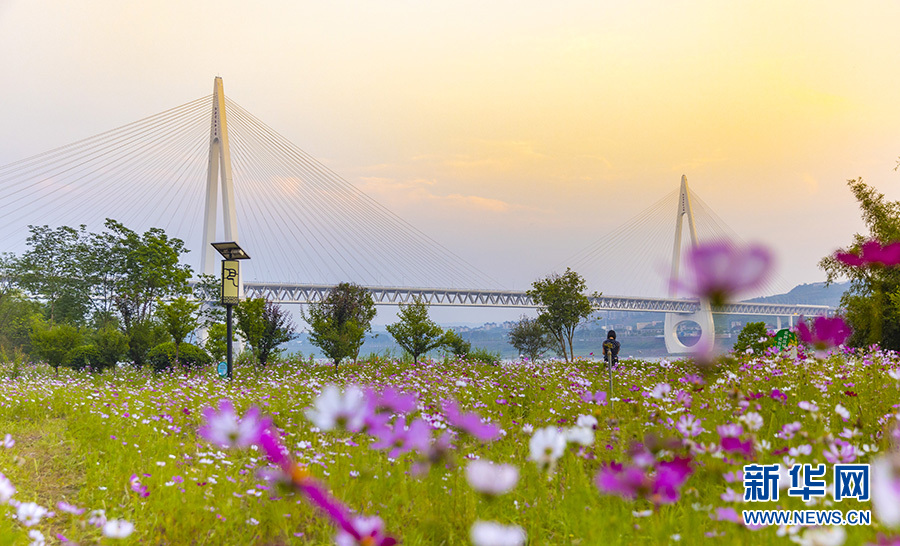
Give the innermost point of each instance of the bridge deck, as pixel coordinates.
(312, 293)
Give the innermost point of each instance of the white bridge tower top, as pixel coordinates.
(219, 163)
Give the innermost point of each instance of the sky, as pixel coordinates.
(514, 133)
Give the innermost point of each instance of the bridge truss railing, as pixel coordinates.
(313, 293)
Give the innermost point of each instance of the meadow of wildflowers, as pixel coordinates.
(444, 452)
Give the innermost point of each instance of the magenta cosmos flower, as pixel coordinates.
(872, 253)
(225, 429)
(825, 333)
(718, 271)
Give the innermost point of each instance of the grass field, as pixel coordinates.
(126, 442)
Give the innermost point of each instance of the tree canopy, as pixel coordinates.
(265, 326)
(563, 306)
(872, 303)
(338, 324)
(415, 332)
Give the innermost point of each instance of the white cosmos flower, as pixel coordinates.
(823, 536)
(6, 489)
(118, 528)
(580, 435)
(886, 491)
(546, 446)
(334, 409)
(660, 390)
(30, 513)
(490, 478)
(842, 411)
(753, 420)
(491, 533)
(8, 441)
(37, 538)
(586, 421)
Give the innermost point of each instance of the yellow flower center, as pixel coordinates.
(299, 474)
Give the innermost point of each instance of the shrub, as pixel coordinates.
(483, 356)
(753, 336)
(190, 356)
(84, 356)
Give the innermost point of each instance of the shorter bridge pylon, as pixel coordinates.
(703, 317)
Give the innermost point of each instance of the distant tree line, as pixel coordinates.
(91, 300)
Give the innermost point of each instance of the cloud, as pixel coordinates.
(418, 191)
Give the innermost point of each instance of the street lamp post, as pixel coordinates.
(231, 287)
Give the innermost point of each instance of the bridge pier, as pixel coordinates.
(703, 318)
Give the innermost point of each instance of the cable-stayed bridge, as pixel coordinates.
(305, 226)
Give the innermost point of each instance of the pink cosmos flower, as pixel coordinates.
(369, 531)
(727, 514)
(660, 484)
(840, 454)
(884, 540)
(788, 430)
(396, 401)
(730, 430)
(689, 426)
(735, 445)
(70, 508)
(138, 487)
(872, 253)
(401, 439)
(470, 423)
(224, 429)
(825, 333)
(598, 398)
(718, 271)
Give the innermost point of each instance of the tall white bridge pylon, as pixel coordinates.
(218, 172)
(703, 314)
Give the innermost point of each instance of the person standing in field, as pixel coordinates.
(611, 348)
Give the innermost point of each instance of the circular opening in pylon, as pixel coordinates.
(688, 332)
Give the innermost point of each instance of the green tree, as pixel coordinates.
(142, 336)
(872, 302)
(217, 341)
(753, 335)
(563, 305)
(16, 310)
(529, 338)
(415, 332)
(338, 324)
(52, 342)
(148, 270)
(179, 317)
(455, 345)
(50, 268)
(111, 344)
(265, 326)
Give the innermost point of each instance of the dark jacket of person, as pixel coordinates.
(611, 348)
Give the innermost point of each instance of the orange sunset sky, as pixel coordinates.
(515, 133)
